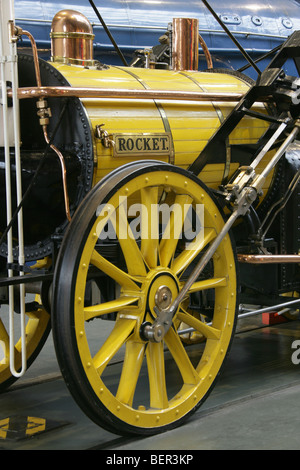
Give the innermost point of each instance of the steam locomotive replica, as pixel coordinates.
(140, 208)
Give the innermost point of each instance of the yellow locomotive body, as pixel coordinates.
(188, 125)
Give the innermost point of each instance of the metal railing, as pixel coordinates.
(11, 138)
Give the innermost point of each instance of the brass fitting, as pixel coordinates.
(44, 113)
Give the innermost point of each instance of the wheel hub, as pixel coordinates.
(163, 297)
(162, 290)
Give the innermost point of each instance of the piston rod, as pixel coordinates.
(286, 306)
(268, 259)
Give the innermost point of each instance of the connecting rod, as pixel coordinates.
(244, 200)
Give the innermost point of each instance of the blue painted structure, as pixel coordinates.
(135, 24)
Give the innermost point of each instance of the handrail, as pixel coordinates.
(81, 92)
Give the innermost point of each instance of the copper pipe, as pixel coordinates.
(268, 259)
(41, 97)
(64, 173)
(35, 57)
(206, 52)
(80, 92)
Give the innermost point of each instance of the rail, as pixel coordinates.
(8, 69)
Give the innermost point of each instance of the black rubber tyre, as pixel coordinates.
(114, 397)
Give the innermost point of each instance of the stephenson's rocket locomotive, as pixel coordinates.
(140, 208)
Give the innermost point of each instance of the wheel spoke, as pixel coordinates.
(156, 374)
(108, 307)
(149, 225)
(208, 284)
(174, 227)
(134, 354)
(208, 331)
(122, 278)
(4, 343)
(3, 333)
(176, 348)
(186, 257)
(122, 329)
(131, 252)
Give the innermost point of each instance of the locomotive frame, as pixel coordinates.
(173, 308)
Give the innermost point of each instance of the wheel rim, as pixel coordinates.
(36, 331)
(149, 265)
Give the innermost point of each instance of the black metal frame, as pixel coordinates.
(271, 86)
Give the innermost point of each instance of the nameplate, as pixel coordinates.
(137, 145)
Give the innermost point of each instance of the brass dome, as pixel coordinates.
(71, 38)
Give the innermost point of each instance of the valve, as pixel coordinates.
(44, 113)
(104, 136)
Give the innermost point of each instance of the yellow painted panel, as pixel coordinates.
(191, 124)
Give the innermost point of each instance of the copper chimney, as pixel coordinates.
(185, 44)
(72, 38)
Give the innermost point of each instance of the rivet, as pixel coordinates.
(146, 180)
(84, 266)
(195, 397)
(81, 334)
(94, 235)
(79, 300)
(157, 418)
(137, 417)
(166, 177)
(222, 351)
(88, 364)
(185, 183)
(118, 408)
(177, 412)
(101, 390)
(210, 376)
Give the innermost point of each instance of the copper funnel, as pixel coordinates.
(185, 44)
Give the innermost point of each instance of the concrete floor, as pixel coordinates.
(254, 406)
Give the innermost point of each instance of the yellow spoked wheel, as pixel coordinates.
(128, 252)
(37, 330)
